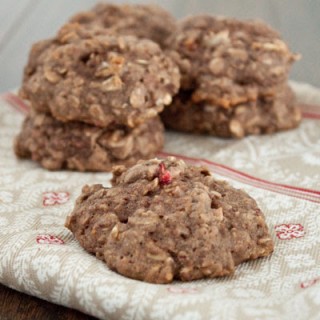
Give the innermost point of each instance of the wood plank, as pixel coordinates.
(18, 306)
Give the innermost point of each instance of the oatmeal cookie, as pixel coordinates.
(143, 21)
(99, 78)
(227, 62)
(79, 146)
(265, 115)
(165, 220)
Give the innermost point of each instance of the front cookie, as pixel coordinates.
(165, 220)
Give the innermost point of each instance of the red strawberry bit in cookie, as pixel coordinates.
(164, 175)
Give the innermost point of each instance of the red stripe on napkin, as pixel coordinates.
(308, 115)
(223, 170)
(15, 102)
(310, 111)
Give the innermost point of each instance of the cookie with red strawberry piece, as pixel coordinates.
(164, 220)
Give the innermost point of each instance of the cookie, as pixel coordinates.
(68, 33)
(265, 115)
(98, 78)
(166, 220)
(79, 146)
(227, 62)
(143, 21)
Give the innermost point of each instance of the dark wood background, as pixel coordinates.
(18, 306)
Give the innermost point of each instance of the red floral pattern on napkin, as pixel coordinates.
(53, 198)
(182, 290)
(309, 283)
(289, 231)
(48, 239)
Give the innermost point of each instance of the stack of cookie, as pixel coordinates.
(97, 87)
(95, 95)
(234, 78)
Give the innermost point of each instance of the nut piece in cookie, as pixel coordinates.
(83, 147)
(265, 115)
(164, 220)
(143, 21)
(95, 77)
(227, 62)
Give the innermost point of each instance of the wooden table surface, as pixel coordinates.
(27, 21)
(18, 306)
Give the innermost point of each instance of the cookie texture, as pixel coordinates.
(265, 115)
(79, 146)
(143, 21)
(165, 220)
(227, 62)
(92, 76)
